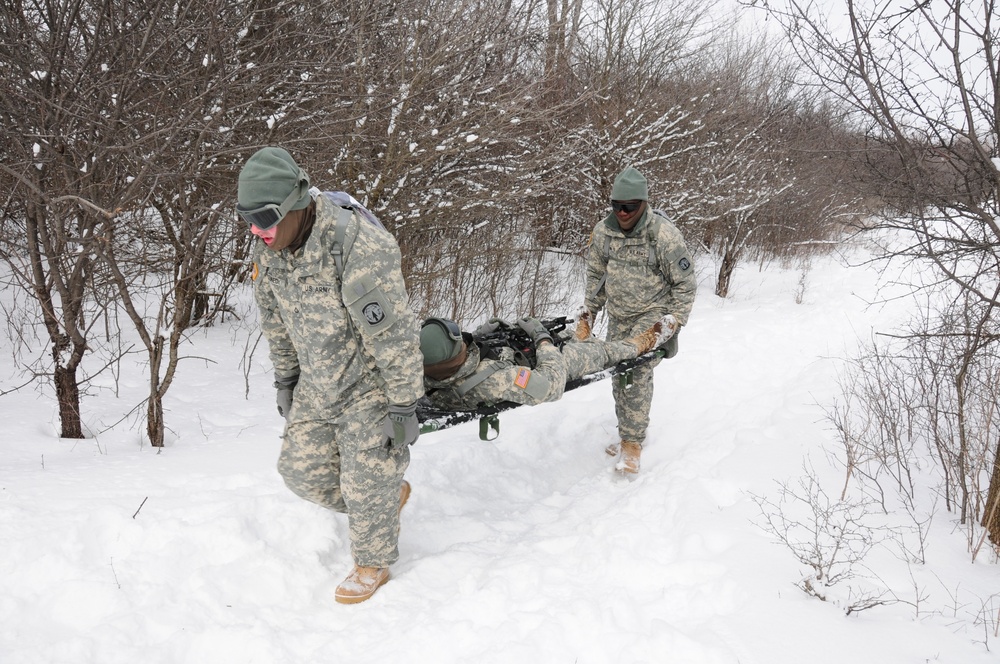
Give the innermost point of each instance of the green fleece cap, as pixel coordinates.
(437, 344)
(269, 176)
(630, 185)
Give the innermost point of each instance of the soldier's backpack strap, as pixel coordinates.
(347, 207)
(465, 386)
(605, 254)
(343, 220)
(652, 233)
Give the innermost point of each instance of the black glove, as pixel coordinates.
(285, 386)
(534, 329)
(401, 426)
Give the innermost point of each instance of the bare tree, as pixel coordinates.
(764, 174)
(444, 112)
(625, 68)
(123, 122)
(200, 123)
(563, 19)
(712, 117)
(61, 187)
(924, 84)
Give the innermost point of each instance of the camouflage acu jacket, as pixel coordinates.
(506, 379)
(503, 380)
(648, 269)
(343, 339)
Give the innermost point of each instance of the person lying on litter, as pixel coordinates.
(461, 374)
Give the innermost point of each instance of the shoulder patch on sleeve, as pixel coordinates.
(535, 385)
(373, 312)
(522, 378)
(368, 304)
(680, 257)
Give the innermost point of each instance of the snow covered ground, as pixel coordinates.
(523, 549)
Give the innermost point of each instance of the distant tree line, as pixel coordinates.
(484, 133)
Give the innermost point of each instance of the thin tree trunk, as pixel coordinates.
(68, 396)
(991, 515)
(154, 406)
(729, 261)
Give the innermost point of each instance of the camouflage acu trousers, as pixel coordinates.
(632, 402)
(586, 357)
(342, 463)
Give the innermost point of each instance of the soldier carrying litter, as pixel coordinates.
(640, 269)
(345, 351)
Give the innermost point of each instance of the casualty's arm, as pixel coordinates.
(531, 387)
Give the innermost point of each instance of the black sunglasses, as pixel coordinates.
(268, 216)
(623, 206)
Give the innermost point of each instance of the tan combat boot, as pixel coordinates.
(404, 494)
(655, 336)
(582, 326)
(361, 584)
(629, 461)
(646, 341)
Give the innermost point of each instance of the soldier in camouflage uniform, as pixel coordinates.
(460, 374)
(639, 267)
(345, 351)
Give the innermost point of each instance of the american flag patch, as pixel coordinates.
(522, 378)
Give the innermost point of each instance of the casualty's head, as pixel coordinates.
(271, 188)
(628, 198)
(443, 348)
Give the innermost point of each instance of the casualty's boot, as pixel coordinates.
(629, 461)
(647, 341)
(668, 328)
(582, 326)
(361, 584)
(655, 336)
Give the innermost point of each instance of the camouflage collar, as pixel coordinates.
(611, 222)
(467, 369)
(312, 256)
